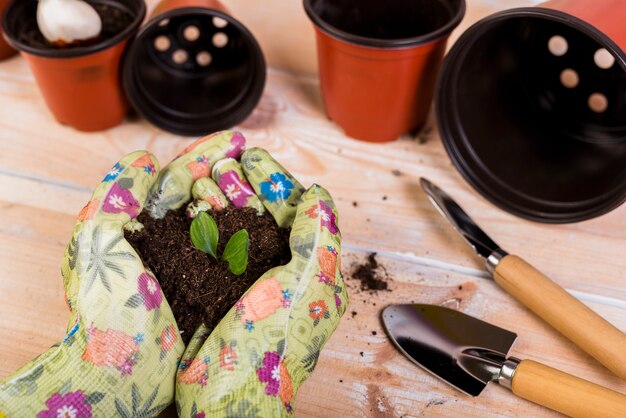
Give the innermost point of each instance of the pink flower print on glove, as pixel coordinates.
(275, 374)
(150, 291)
(73, 404)
(120, 200)
(238, 143)
(236, 190)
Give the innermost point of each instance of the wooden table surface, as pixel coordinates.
(47, 172)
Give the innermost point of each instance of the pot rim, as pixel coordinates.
(454, 138)
(385, 43)
(78, 51)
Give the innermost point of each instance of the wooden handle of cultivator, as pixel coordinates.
(568, 315)
(565, 393)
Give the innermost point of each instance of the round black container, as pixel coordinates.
(531, 107)
(193, 71)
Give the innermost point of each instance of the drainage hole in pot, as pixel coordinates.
(191, 33)
(179, 56)
(220, 39)
(164, 22)
(204, 59)
(557, 45)
(569, 78)
(603, 59)
(598, 102)
(162, 43)
(218, 22)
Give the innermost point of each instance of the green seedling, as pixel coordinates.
(205, 235)
(236, 252)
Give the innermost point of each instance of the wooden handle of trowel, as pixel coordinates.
(568, 315)
(565, 393)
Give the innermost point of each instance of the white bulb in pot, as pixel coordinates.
(67, 21)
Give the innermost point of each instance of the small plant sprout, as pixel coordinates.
(236, 252)
(65, 22)
(205, 235)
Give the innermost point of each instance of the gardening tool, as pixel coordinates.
(541, 87)
(468, 353)
(537, 292)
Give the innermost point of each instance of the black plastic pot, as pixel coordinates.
(535, 124)
(197, 82)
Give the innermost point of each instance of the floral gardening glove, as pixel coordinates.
(255, 360)
(121, 350)
(120, 354)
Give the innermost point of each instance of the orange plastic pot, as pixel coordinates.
(378, 64)
(531, 109)
(5, 49)
(81, 86)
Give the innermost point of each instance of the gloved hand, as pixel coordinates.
(122, 346)
(254, 361)
(121, 349)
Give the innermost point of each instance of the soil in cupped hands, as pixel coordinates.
(199, 288)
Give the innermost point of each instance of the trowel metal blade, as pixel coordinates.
(463, 351)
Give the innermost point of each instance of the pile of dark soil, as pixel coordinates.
(199, 288)
(371, 275)
(114, 21)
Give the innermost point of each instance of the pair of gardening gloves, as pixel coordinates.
(123, 355)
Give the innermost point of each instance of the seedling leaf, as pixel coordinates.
(236, 252)
(204, 234)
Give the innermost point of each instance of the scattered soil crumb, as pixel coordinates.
(435, 402)
(424, 135)
(385, 197)
(396, 173)
(355, 204)
(353, 313)
(373, 332)
(361, 353)
(372, 275)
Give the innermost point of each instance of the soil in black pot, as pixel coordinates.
(114, 21)
(199, 288)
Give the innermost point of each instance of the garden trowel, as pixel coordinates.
(548, 300)
(468, 353)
